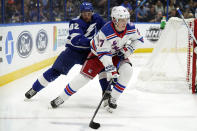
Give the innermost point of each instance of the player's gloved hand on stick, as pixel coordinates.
(120, 55)
(128, 49)
(111, 73)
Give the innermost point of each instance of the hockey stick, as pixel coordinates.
(190, 31)
(96, 125)
(93, 124)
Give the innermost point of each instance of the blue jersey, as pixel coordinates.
(80, 32)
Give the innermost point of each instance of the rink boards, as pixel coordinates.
(25, 48)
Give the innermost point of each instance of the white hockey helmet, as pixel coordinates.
(120, 12)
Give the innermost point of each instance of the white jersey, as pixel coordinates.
(108, 42)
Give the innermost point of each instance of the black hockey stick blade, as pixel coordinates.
(94, 125)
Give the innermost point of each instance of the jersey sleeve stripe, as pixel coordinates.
(110, 35)
(101, 54)
(74, 35)
(131, 30)
(141, 39)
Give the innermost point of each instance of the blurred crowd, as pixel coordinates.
(64, 10)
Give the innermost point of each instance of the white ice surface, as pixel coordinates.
(138, 110)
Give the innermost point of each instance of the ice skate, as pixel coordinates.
(30, 93)
(106, 97)
(57, 102)
(112, 105)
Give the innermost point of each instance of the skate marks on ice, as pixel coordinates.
(85, 125)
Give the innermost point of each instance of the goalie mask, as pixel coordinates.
(120, 17)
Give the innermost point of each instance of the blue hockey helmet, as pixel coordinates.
(86, 6)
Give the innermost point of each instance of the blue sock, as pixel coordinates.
(50, 75)
(37, 86)
(104, 84)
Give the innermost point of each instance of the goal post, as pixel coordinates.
(172, 62)
(194, 90)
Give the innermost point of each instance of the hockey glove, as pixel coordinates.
(112, 73)
(120, 55)
(127, 50)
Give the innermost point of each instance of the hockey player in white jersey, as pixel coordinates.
(110, 50)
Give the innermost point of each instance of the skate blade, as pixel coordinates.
(105, 103)
(110, 110)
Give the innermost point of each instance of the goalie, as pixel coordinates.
(110, 50)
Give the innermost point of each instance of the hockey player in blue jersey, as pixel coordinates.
(116, 37)
(81, 31)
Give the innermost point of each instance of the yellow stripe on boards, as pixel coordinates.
(143, 50)
(5, 79)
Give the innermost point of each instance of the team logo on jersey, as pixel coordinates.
(90, 31)
(9, 47)
(114, 46)
(24, 44)
(153, 33)
(41, 41)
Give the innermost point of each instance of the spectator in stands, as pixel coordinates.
(193, 6)
(159, 16)
(44, 3)
(171, 7)
(57, 14)
(10, 7)
(127, 5)
(43, 16)
(34, 13)
(70, 9)
(190, 15)
(26, 14)
(102, 4)
(151, 14)
(142, 14)
(15, 12)
(173, 13)
(12, 15)
(159, 7)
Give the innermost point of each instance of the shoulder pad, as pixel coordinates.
(107, 29)
(130, 26)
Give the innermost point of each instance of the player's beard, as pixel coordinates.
(86, 16)
(87, 19)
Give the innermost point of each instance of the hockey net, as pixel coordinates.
(172, 64)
